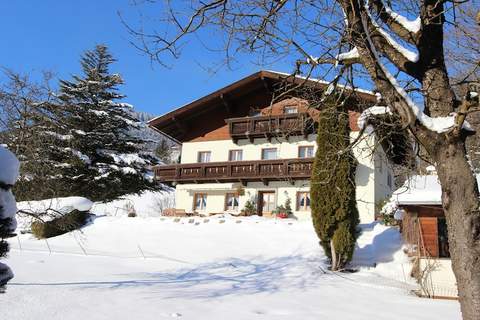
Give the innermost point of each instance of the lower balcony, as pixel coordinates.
(236, 171)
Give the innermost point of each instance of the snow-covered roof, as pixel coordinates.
(419, 189)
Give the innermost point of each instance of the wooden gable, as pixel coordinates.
(204, 119)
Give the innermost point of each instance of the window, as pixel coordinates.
(269, 154)
(290, 110)
(389, 180)
(200, 202)
(235, 155)
(204, 156)
(305, 152)
(303, 201)
(231, 202)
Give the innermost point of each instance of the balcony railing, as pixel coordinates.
(236, 171)
(285, 125)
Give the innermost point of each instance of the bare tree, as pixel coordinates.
(30, 127)
(408, 51)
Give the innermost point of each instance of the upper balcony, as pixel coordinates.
(284, 125)
(236, 171)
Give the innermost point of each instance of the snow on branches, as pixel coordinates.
(9, 168)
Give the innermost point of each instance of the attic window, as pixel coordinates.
(290, 109)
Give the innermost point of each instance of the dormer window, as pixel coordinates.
(290, 109)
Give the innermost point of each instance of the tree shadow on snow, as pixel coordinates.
(380, 249)
(219, 279)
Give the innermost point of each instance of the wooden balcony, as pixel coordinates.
(236, 171)
(284, 125)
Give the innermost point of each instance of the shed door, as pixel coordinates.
(429, 233)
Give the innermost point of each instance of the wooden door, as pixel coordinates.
(267, 203)
(429, 233)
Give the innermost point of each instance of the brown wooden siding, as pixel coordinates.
(420, 228)
(208, 127)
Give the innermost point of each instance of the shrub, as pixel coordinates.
(249, 209)
(334, 207)
(66, 223)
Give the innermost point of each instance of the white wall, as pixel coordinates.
(440, 281)
(251, 151)
(371, 186)
(216, 194)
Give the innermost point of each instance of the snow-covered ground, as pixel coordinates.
(217, 268)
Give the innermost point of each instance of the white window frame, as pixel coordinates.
(305, 207)
(203, 203)
(264, 149)
(200, 158)
(290, 109)
(235, 151)
(233, 195)
(306, 153)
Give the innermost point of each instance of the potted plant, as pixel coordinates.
(283, 211)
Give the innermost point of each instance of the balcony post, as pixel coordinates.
(177, 172)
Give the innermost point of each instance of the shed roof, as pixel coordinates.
(420, 190)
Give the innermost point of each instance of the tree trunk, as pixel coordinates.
(334, 256)
(460, 199)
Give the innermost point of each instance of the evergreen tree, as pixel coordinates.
(334, 210)
(9, 167)
(107, 161)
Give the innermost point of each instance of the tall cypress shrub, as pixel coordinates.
(334, 208)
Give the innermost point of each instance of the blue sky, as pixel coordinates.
(51, 34)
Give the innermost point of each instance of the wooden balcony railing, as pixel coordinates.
(236, 171)
(284, 125)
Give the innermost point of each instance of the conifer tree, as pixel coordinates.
(106, 161)
(334, 211)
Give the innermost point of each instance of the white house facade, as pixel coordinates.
(236, 147)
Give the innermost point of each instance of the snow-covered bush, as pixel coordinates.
(53, 217)
(66, 223)
(9, 167)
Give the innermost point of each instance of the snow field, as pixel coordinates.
(210, 268)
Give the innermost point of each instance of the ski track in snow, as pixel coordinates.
(149, 268)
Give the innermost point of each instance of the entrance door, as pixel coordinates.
(267, 202)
